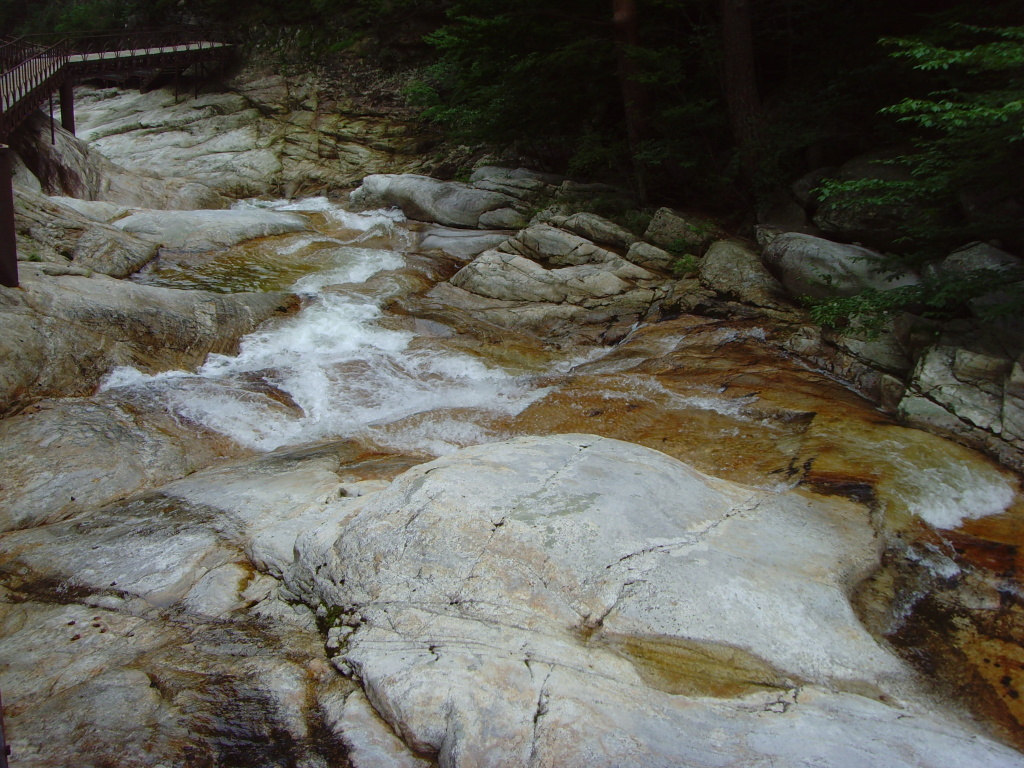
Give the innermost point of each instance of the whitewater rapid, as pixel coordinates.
(333, 370)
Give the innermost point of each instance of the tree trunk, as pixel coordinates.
(634, 97)
(740, 82)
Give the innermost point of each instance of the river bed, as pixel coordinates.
(357, 363)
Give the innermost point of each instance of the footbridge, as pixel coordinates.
(32, 73)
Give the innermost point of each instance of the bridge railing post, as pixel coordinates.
(8, 235)
(67, 104)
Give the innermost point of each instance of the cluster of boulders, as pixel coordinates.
(577, 274)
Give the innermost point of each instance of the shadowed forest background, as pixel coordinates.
(713, 105)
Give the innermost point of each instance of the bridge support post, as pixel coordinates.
(67, 105)
(8, 237)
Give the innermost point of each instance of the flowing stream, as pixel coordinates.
(342, 367)
(337, 368)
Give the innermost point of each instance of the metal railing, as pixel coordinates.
(14, 50)
(32, 73)
(25, 86)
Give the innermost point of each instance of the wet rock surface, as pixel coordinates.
(65, 332)
(267, 132)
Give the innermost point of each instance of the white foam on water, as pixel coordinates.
(936, 480)
(734, 407)
(945, 496)
(345, 373)
(357, 265)
(348, 377)
(299, 205)
(304, 241)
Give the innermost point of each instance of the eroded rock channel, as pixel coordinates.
(333, 484)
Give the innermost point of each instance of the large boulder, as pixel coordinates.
(574, 600)
(1004, 301)
(676, 232)
(499, 173)
(208, 230)
(460, 243)
(51, 230)
(596, 229)
(443, 202)
(851, 215)
(819, 268)
(732, 269)
(978, 256)
(650, 256)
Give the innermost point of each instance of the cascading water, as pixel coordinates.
(333, 370)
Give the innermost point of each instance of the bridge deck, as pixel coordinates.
(141, 53)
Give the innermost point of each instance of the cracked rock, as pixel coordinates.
(575, 600)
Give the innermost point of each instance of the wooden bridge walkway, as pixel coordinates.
(30, 75)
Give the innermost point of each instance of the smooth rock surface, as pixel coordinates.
(812, 266)
(50, 230)
(267, 133)
(560, 601)
(460, 243)
(77, 168)
(207, 230)
(444, 202)
(596, 229)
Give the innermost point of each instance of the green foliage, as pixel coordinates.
(989, 294)
(518, 74)
(636, 221)
(967, 137)
(685, 265)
